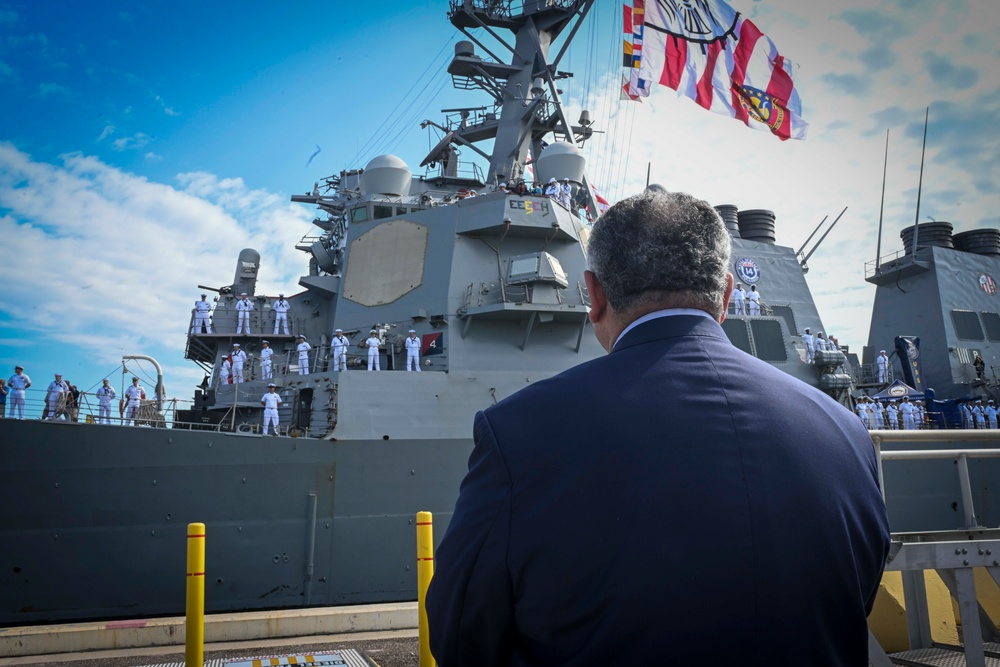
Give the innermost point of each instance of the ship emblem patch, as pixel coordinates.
(987, 284)
(760, 106)
(897, 391)
(747, 271)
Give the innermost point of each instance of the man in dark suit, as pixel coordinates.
(661, 505)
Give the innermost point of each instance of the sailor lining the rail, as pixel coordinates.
(413, 351)
(271, 400)
(566, 193)
(266, 355)
(243, 308)
(553, 190)
(56, 397)
(133, 396)
(810, 345)
(339, 345)
(883, 366)
(239, 360)
(303, 348)
(739, 300)
(373, 344)
(105, 394)
(753, 297)
(201, 320)
(280, 308)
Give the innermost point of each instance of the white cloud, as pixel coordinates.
(106, 132)
(135, 142)
(115, 259)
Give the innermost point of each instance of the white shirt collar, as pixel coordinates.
(667, 312)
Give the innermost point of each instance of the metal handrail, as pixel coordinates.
(961, 456)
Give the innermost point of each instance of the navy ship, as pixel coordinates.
(486, 272)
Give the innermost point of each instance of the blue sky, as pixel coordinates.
(143, 145)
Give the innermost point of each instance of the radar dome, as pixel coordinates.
(386, 175)
(560, 160)
(656, 187)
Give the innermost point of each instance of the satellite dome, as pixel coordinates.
(386, 175)
(561, 160)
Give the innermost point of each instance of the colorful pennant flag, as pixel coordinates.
(710, 53)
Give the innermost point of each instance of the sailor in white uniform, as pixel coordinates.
(280, 309)
(862, 410)
(303, 348)
(991, 414)
(225, 370)
(17, 383)
(271, 400)
(979, 414)
(753, 296)
(882, 361)
(239, 358)
(807, 338)
(372, 344)
(133, 395)
(553, 190)
(739, 299)
(909, 423)
(105, 394)
(339, 345)
(201, 310)
(892, 416)
(820, 342)
(566, 193)
(413, 351)
(877, 419)
(266, 358)
(243, 309)
(55, 397)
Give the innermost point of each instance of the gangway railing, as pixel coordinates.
(951, 554)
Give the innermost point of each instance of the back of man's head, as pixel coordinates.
(661, 250)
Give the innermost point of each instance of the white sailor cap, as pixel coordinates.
(411, 331)
(565, 180)
(552, 180)
(302, 337)
(265, 342)
(236, 344)
(338, 331)
(104, 380)
(373, 331)
(503, 185)
(806, 329)
(271, 385)
(881, 351)
(243, 294)
(280, 294)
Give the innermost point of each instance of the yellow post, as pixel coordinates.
(194, 622)
(425, 570)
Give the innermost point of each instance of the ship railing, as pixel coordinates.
(463, 169)
(893, 260)
(507, 8)
(952, 554)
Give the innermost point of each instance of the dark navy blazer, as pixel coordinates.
(676, 502)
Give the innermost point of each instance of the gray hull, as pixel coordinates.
(97, 517)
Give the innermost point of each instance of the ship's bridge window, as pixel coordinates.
(382, 212)
(767, 340)
(786, 313)
(967, 325)
(359, 215)
(738, 334)
(991, 321)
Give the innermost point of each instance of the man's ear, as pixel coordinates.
(725, 297)
(598, 300)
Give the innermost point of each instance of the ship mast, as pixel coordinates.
(524, 90)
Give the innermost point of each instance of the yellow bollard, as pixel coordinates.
(425, 570)
(194, 622)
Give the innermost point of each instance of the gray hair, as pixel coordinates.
(662, 250)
